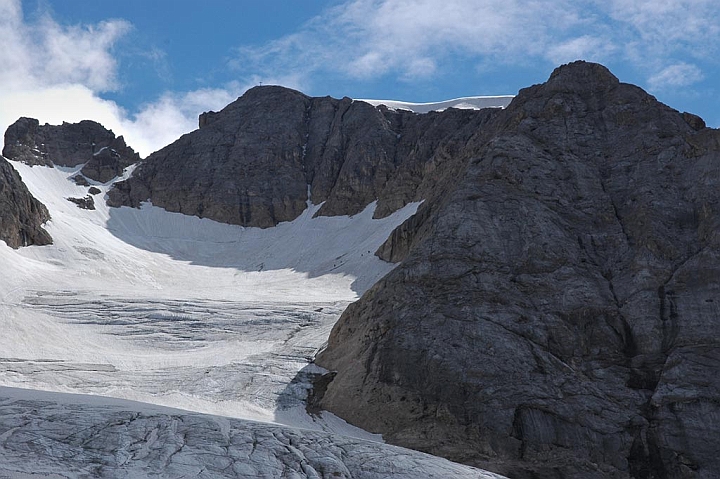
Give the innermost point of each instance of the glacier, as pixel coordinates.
(148, 343)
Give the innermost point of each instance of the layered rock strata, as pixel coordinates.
(555, 313)
(255, 162)
(21, 215)
(70, 144)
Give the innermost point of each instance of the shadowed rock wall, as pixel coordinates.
(556, 311)
(253, 162)
(69, 144)
(21, 215)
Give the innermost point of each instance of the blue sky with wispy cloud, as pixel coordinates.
(146, 69)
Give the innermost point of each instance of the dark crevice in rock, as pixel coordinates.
(646, 459)
(315, 395)
(306, 135)
(625, 333)
(338, 165)
(668, 319)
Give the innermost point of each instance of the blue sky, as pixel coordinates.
(147, 68)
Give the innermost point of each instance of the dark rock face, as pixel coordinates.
(80, 180)
(69, 144)
(252, 162)
(21, 215)
(556, 311)
(86, 203)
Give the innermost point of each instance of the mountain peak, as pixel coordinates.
(583, 75)
(70, 144)
(590, 194)
(267, 93)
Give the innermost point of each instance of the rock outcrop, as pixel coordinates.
(555, 313)
(21, 215)
(255, 162)
(70, 144)
(86, 203)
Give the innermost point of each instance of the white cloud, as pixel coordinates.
(368, 38)
(415, 39)
(420, 68)
(668, 24)
(46, 53)
(586, 47)
(78, 54)
(368, 65)
(656, 30)
(57, 73)
(676, 76)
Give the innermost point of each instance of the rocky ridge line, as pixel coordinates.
(254, 162)
(70, 144)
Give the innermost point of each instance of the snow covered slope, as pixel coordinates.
(470, 102)
(182, 312)
(176, 310)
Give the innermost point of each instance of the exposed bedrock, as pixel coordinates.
(254, 162)
(21, 215)
(70, 144)
(557, 310)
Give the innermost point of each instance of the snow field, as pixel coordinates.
(179, 311)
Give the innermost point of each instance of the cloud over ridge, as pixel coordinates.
(58, 72)
(414, 38)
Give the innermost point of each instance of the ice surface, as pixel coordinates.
(181, 312)
(175, 310)
(467, 103)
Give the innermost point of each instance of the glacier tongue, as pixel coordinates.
(60, 436)
(182, 312)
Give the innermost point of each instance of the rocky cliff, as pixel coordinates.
(21, 215)
(255, 162)
(555, 313)
(70, 144)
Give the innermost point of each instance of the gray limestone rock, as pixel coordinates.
(254, 162)
(21, 215)
(80, 180)
(48, 435)
(245, 167)
(70, 144)
(86, 203)
(555, 311)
